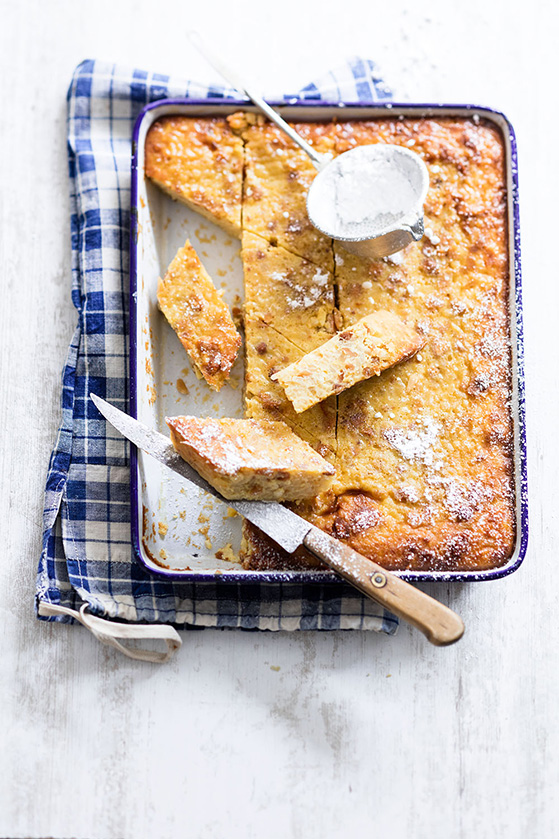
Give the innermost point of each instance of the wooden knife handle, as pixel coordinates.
(438, 623)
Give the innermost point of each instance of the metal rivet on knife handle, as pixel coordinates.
(378, 580)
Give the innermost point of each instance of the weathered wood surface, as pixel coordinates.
(261, 735)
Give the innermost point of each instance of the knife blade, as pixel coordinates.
(439, 624)
(287, 529)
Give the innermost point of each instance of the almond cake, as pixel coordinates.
(422, 452)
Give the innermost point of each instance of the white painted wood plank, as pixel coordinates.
(355, 732)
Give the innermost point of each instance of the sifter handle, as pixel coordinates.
(319, 160)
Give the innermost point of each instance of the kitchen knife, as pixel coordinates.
(438, 623)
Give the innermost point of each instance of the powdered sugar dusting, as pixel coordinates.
(227, 449)
(415, 443)
(462, 500)
(491, 346)
(230, 448)
(305, 295)
(395, 258)
(433, 238)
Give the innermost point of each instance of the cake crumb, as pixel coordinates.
(227, 554)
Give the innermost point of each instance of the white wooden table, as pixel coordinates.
(272, 735)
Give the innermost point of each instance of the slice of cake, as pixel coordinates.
(289, 311)
(190, 302)
(199, 162)
(365, 349)
(250, 459)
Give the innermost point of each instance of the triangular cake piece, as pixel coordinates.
(191, 303)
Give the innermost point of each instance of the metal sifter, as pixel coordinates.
(369, 199)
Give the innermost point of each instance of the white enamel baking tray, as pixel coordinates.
(177, 530)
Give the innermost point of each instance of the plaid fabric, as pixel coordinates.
(86, 555)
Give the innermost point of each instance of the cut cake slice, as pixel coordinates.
(363, 350)
(289, 311)
(291, 294)
(250, 459)
(190, 302)
(277, 179)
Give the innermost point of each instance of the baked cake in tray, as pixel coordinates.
(423, 452)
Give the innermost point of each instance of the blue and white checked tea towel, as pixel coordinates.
(87, 570)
